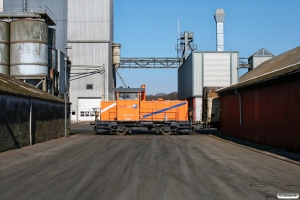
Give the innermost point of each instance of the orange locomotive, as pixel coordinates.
(132, 110)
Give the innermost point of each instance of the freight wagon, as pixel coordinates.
(130, 109)
(210, 108)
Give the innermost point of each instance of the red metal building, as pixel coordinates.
(265, 107)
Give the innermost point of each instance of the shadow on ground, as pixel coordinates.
(84, 128)
(272, 151)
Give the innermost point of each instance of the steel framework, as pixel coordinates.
(150, 62)
(163, 63)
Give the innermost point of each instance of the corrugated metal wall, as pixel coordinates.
(197, 73)
(185, 80)
(89, 54)
(209, 69)
(87, 58)
(234, 78)
(92, 22)
(205, 69)
(257, 60)
(270, 115)
(216, 69)
(90, 33)
(80, 85)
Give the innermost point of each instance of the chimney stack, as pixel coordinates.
(219, 18)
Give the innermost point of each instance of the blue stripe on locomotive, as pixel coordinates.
(163, 110)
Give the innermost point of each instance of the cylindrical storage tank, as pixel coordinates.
(52, 57)
(28, 48)
(4, 47)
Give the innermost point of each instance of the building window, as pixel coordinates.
(89, 86)
(73, 112)
(82, 113)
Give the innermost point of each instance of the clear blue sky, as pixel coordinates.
(149, 28)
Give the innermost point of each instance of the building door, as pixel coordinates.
(85, 108)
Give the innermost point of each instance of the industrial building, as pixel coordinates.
(259, 57)
(90, 34)
(207, 69)
(264, 107)
(77, 34)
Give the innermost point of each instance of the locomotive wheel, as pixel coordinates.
(166, 130)
(121, 130)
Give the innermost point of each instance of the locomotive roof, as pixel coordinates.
(129, 90)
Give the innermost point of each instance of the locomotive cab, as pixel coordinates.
(128, 103)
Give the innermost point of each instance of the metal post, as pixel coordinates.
(65, 93)
(30, 121)
(240, 106)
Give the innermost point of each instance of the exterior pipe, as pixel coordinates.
(219, 18)
(66, 91)
(240, 105)
(30, 121)
(25, 6)
(186, 44)
(143, 93)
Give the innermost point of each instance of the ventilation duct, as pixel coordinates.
(219, 18)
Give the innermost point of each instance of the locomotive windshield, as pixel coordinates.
(128, 96)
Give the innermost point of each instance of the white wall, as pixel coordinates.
(1, 5)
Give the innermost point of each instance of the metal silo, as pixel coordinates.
(28, 48)
(52, 57)
(4, 47)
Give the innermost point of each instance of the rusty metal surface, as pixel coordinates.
(4, 32)
(4, 47)
(270, 115)
(29, 30)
